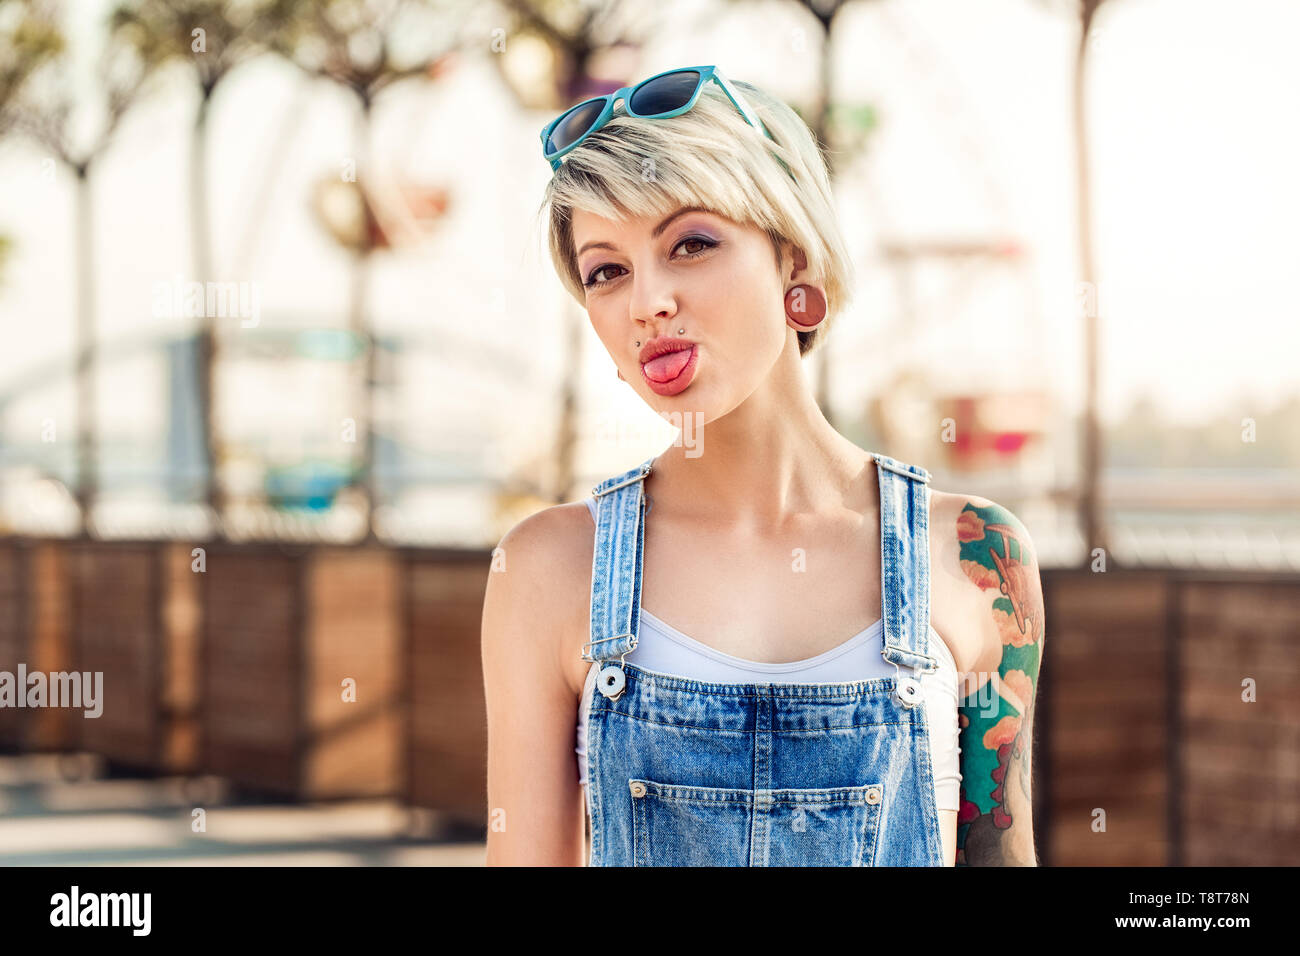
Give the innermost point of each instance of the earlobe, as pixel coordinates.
(805, 307)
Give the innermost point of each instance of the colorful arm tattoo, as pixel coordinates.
(994, 824)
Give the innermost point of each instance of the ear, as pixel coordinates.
(799, 267)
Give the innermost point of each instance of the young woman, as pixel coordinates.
(745, 650)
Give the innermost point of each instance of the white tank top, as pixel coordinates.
(666, 650)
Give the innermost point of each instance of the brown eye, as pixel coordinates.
(592, 279)
(698, 241)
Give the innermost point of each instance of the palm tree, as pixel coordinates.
(1091, 518)
(577, 35)
(356, 44)
(213, 37)
(46, 111)
(819, 121)
(842, 129)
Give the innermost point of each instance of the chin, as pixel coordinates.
(691, 409)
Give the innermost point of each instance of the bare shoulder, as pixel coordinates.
(539, 588)
(559, 534)
(984, 576)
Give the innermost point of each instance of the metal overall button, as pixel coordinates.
(611, 680)
(907, 692)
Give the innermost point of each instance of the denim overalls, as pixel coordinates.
(688, 773)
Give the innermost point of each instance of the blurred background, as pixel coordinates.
(284, 356)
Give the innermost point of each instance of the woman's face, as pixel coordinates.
(694, 270)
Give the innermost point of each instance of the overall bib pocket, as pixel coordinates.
(676, 825)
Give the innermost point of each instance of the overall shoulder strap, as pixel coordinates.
(905, 563)
(616, 564)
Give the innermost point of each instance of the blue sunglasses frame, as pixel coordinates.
(706, 74)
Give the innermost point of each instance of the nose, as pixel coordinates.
(653, 301)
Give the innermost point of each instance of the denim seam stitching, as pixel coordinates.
(873, 823)
(836, 796)
(929, 811)
(726, 730)
(779, 691)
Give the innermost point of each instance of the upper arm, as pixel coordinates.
(535, 811)
(996, 712)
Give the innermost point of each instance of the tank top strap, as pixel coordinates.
(905, 563)
(617, 564)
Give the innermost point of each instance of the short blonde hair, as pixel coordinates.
(708, 157)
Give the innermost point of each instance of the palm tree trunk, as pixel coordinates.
(1090, 517)
(361, 326)
(86, 479)
(207, 334)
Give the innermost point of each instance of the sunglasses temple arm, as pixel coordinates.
(739, 102)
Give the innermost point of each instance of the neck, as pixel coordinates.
(769, 459)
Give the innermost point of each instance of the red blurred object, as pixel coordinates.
(992, 428)
(1008, 443)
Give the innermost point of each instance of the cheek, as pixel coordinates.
(609, 330)
(749, 314)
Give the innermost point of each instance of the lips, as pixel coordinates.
(668, 365)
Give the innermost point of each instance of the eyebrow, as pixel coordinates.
(655, 233)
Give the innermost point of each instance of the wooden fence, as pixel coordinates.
(320, 672)
(1146, 718)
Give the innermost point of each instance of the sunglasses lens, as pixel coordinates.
(570, 129)
(664, 93)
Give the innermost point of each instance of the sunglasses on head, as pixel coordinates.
(666, 94)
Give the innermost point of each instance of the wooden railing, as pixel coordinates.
(1146, 752)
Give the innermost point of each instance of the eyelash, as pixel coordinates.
(593, 284)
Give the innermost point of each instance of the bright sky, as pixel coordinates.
(1194, 153)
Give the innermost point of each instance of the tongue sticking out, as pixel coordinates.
(667, 367)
